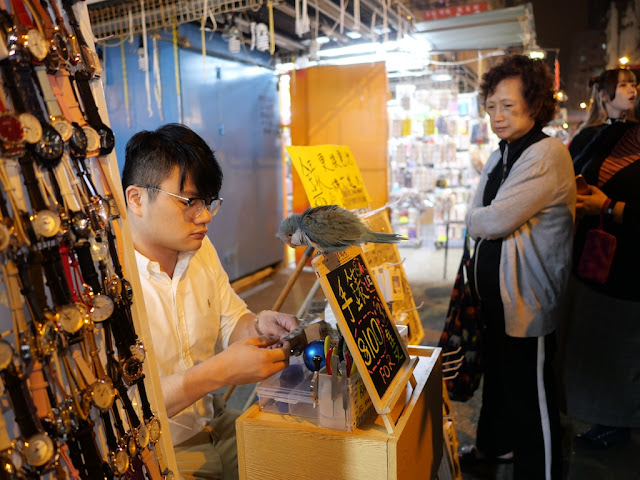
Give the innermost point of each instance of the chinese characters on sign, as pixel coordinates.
(446, 12)
(365, 314)
(330, 175)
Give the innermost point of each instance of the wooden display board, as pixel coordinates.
(330, 175)
(367, 325)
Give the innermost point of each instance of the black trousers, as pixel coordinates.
(519, 411)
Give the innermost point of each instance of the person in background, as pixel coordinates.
(172, 181)
(521, 219)
(601, 365)
(613, 94)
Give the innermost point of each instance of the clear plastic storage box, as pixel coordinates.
(287, 392)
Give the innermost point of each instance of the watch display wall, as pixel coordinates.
(83, 400)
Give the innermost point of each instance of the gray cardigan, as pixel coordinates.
(533, 213)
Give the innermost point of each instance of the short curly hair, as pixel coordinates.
(537, 84)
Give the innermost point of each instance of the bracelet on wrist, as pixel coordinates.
(609, 210)
(256, 323)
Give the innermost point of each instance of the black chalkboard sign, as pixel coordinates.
(377, 341)
(366, 323)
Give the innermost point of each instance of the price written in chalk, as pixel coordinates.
(372, 330)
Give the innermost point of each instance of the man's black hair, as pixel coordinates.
(150, 157)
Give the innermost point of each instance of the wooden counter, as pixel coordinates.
(275, 447)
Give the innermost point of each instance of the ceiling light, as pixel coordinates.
(357, 49)
(354, 35)
(441, 76)
(536, 54)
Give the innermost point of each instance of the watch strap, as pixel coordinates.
(47, 91)
(87, 267)
(17, 73)
(21, 402)
(54, 273)
(134, 420)
(88, 101)
(30, 181)
(144, 399)
(22, 14)
(83, 367)
(32, 285)
(40, 15)
(39, 387)
(66, 265)
(59, 94)
(151, 464)
(63, 78)
(112, 442)
(91, 461)
(73, 472)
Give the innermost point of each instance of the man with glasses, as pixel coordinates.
(172, 182)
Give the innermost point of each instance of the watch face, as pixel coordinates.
(138, 351)
(99, 251)
(80, 225)
(61, 47)
(131, 370)
(102, 308)
(155, 429)
(143, 436)
(36, 44)
(71, 318)
(46, 223)
(5, 237)
(78, 140)
(132, 446)
(114, 289)
(6, 354)
(127, 290)
(107, 140)
(63, 127)
(47, 340)
(101, 208)
(103, 394)
(31, 127)
(120, 461)
(10, 128)
(93, 140)
(39, 450)
(50, 147)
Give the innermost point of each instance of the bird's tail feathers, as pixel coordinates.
(379, 237)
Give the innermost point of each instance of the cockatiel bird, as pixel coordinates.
(330, 228)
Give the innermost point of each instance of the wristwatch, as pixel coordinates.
(31, 127)
(72, 316)
(101, 307)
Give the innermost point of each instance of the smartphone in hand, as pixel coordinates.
(582, 185)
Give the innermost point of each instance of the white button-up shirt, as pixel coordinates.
(189, 316)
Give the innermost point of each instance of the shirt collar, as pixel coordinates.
(520, 145)
(148, 267)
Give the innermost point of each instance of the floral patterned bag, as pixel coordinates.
(461, 337)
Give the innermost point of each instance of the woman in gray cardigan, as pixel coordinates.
(522, 222)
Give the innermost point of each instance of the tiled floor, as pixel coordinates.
(425, 269)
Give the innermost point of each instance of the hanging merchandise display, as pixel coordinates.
(437, 145)
(71, 360)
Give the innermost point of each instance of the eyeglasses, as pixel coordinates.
(195, 205)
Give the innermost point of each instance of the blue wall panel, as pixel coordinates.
(234, 107)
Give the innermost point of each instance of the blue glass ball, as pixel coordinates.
(314, 348)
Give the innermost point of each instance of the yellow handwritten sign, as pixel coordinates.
(330, 176)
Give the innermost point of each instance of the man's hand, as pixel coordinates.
(251, 361)
(275, 324)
